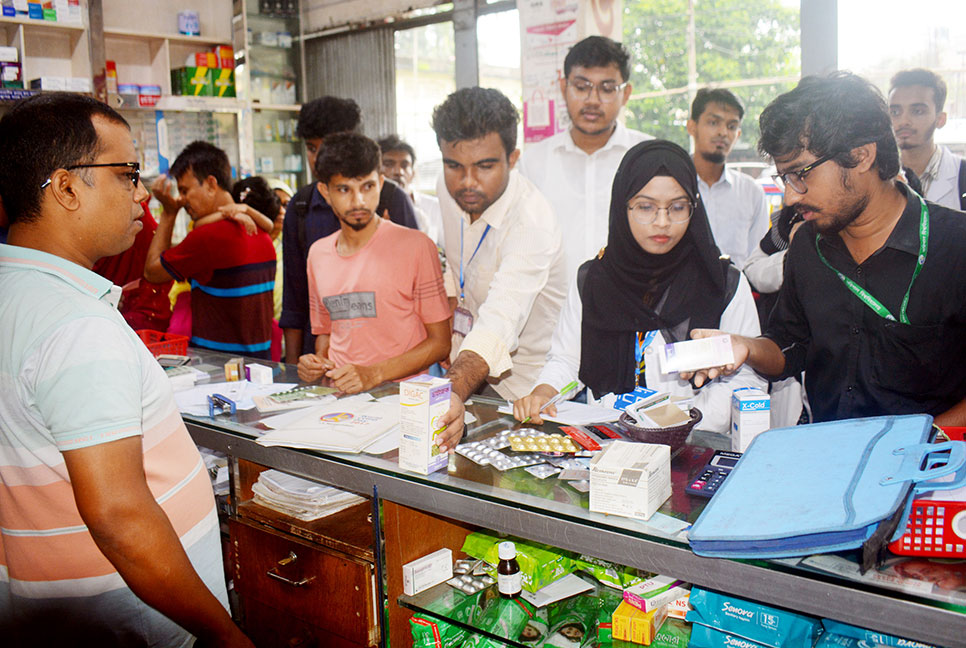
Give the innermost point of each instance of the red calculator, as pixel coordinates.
(937, 522)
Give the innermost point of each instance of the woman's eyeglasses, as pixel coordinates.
(645, 212)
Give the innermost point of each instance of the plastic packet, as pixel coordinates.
(540, 564)
(616, 576)
(503, 617)
(432, 632)
(741, 617)
(573, 622)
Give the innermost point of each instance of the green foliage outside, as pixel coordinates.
(735, 40)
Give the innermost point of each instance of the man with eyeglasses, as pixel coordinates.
(736, 204)
(232, 273)
(108, 529)
(873, 305)
(575, 169)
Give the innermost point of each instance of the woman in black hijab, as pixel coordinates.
(659, 277)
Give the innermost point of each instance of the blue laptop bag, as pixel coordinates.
(824, 487)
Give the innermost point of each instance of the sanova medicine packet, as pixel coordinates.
(423, 401)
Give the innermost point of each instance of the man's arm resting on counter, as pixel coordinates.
(352, 378)
(135, 535)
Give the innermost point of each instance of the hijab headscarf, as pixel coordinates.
(627, 290)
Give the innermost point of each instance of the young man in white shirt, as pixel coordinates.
(399, 165)
(736, 205)
(916, 100)
(504, 245)
(574, 169)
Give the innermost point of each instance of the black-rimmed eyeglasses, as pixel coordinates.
(134, 174)
(796, 179)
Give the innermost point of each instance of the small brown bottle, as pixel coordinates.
(508, 578)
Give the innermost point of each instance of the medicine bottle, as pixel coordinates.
(508, 578)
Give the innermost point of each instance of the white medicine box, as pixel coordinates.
(630, 479)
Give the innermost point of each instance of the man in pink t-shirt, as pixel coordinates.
(376, 296)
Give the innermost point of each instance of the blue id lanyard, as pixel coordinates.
(462, 278)
(643, 341)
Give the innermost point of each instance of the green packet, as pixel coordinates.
(673, 634)
(503, 617)
(540, 564)
(616, 576)
(607, 601)
(573, 622)
(432, 632)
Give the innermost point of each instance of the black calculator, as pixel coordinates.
(711, 477)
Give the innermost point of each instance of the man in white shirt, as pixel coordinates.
(399, 165)
(916, 100)
(574, 169)
(736, 204)
(502, 242)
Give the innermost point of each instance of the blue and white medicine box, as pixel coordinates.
(750, 416)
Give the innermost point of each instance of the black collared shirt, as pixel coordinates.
(857, 363)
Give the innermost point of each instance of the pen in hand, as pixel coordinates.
(569, 387)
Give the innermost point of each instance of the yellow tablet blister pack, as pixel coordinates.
(542, 443)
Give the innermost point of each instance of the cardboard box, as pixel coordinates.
(425, 572)
(631, 624)
(223, 80)
(630, 479)
(423, 401)
(750, 416)
(11, 75)
(655, 592)
(49, 83)
(193, 81)
(9, 55)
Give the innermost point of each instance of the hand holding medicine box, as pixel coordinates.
(692, 355)
(423, 401)
(750, 416)
(630, 479)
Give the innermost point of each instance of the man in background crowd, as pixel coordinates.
(399, 165)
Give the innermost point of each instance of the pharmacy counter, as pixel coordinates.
(424, 513)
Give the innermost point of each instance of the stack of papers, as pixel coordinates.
(572, 413)
(348, 425)
(300, 498)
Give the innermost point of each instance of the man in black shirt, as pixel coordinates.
(873, 306)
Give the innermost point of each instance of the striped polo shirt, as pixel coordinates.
(72, 375)
(232, 277)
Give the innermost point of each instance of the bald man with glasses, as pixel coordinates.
(575, 169)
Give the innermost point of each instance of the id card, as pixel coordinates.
(462, 321)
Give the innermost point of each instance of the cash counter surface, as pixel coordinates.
(551, 511)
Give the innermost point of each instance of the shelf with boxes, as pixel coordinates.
(49, 53)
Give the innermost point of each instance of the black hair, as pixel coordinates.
(472, 113)
(327, 115)
(921, 77)
(350, 155)
(393, 143)
(203, 159)
(598, 51)
(831, 115)
(723, 96)
(39, 135)
(256, 193)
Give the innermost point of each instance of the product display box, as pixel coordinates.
(750, 416)
(632, 624)
(422, 402)
(630, 479)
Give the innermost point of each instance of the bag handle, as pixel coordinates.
(915, 455)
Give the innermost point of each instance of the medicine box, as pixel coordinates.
(631, 624)
(655, 592)
(423, 401)
(750, 416)
(691, 355)
(630, 479)
(258, 374)
(193, 81)
(425, 572)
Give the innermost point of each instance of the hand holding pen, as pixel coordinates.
(542, 398)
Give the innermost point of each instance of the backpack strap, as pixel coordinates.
(731, 280)
(962, 184)
(301, 199)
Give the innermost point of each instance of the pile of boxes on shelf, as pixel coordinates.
(11, 74)
(206, 74)
(62, 11)
(575, 601)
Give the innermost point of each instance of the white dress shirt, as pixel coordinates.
(940, 179)
(428, 216)
(738, 213)
(578, 187)
(514, 285)
(714, 399)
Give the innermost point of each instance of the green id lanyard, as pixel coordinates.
(864, 295)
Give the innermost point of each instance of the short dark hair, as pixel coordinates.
(203, 159)
(327, 115)
(39, 135)
(256, 193)
(831, 115)
(472, 113)
(350, 155)
(921, 77)
(393, 143)
(723, 96)
(598, 51)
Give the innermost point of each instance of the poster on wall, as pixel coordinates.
(548, 29)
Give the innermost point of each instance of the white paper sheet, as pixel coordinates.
(194, 401)
(571, 413)
(348, 425)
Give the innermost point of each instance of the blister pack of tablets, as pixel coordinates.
(479, 452)
(470, 584)
(465, 566)
(531, 441)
